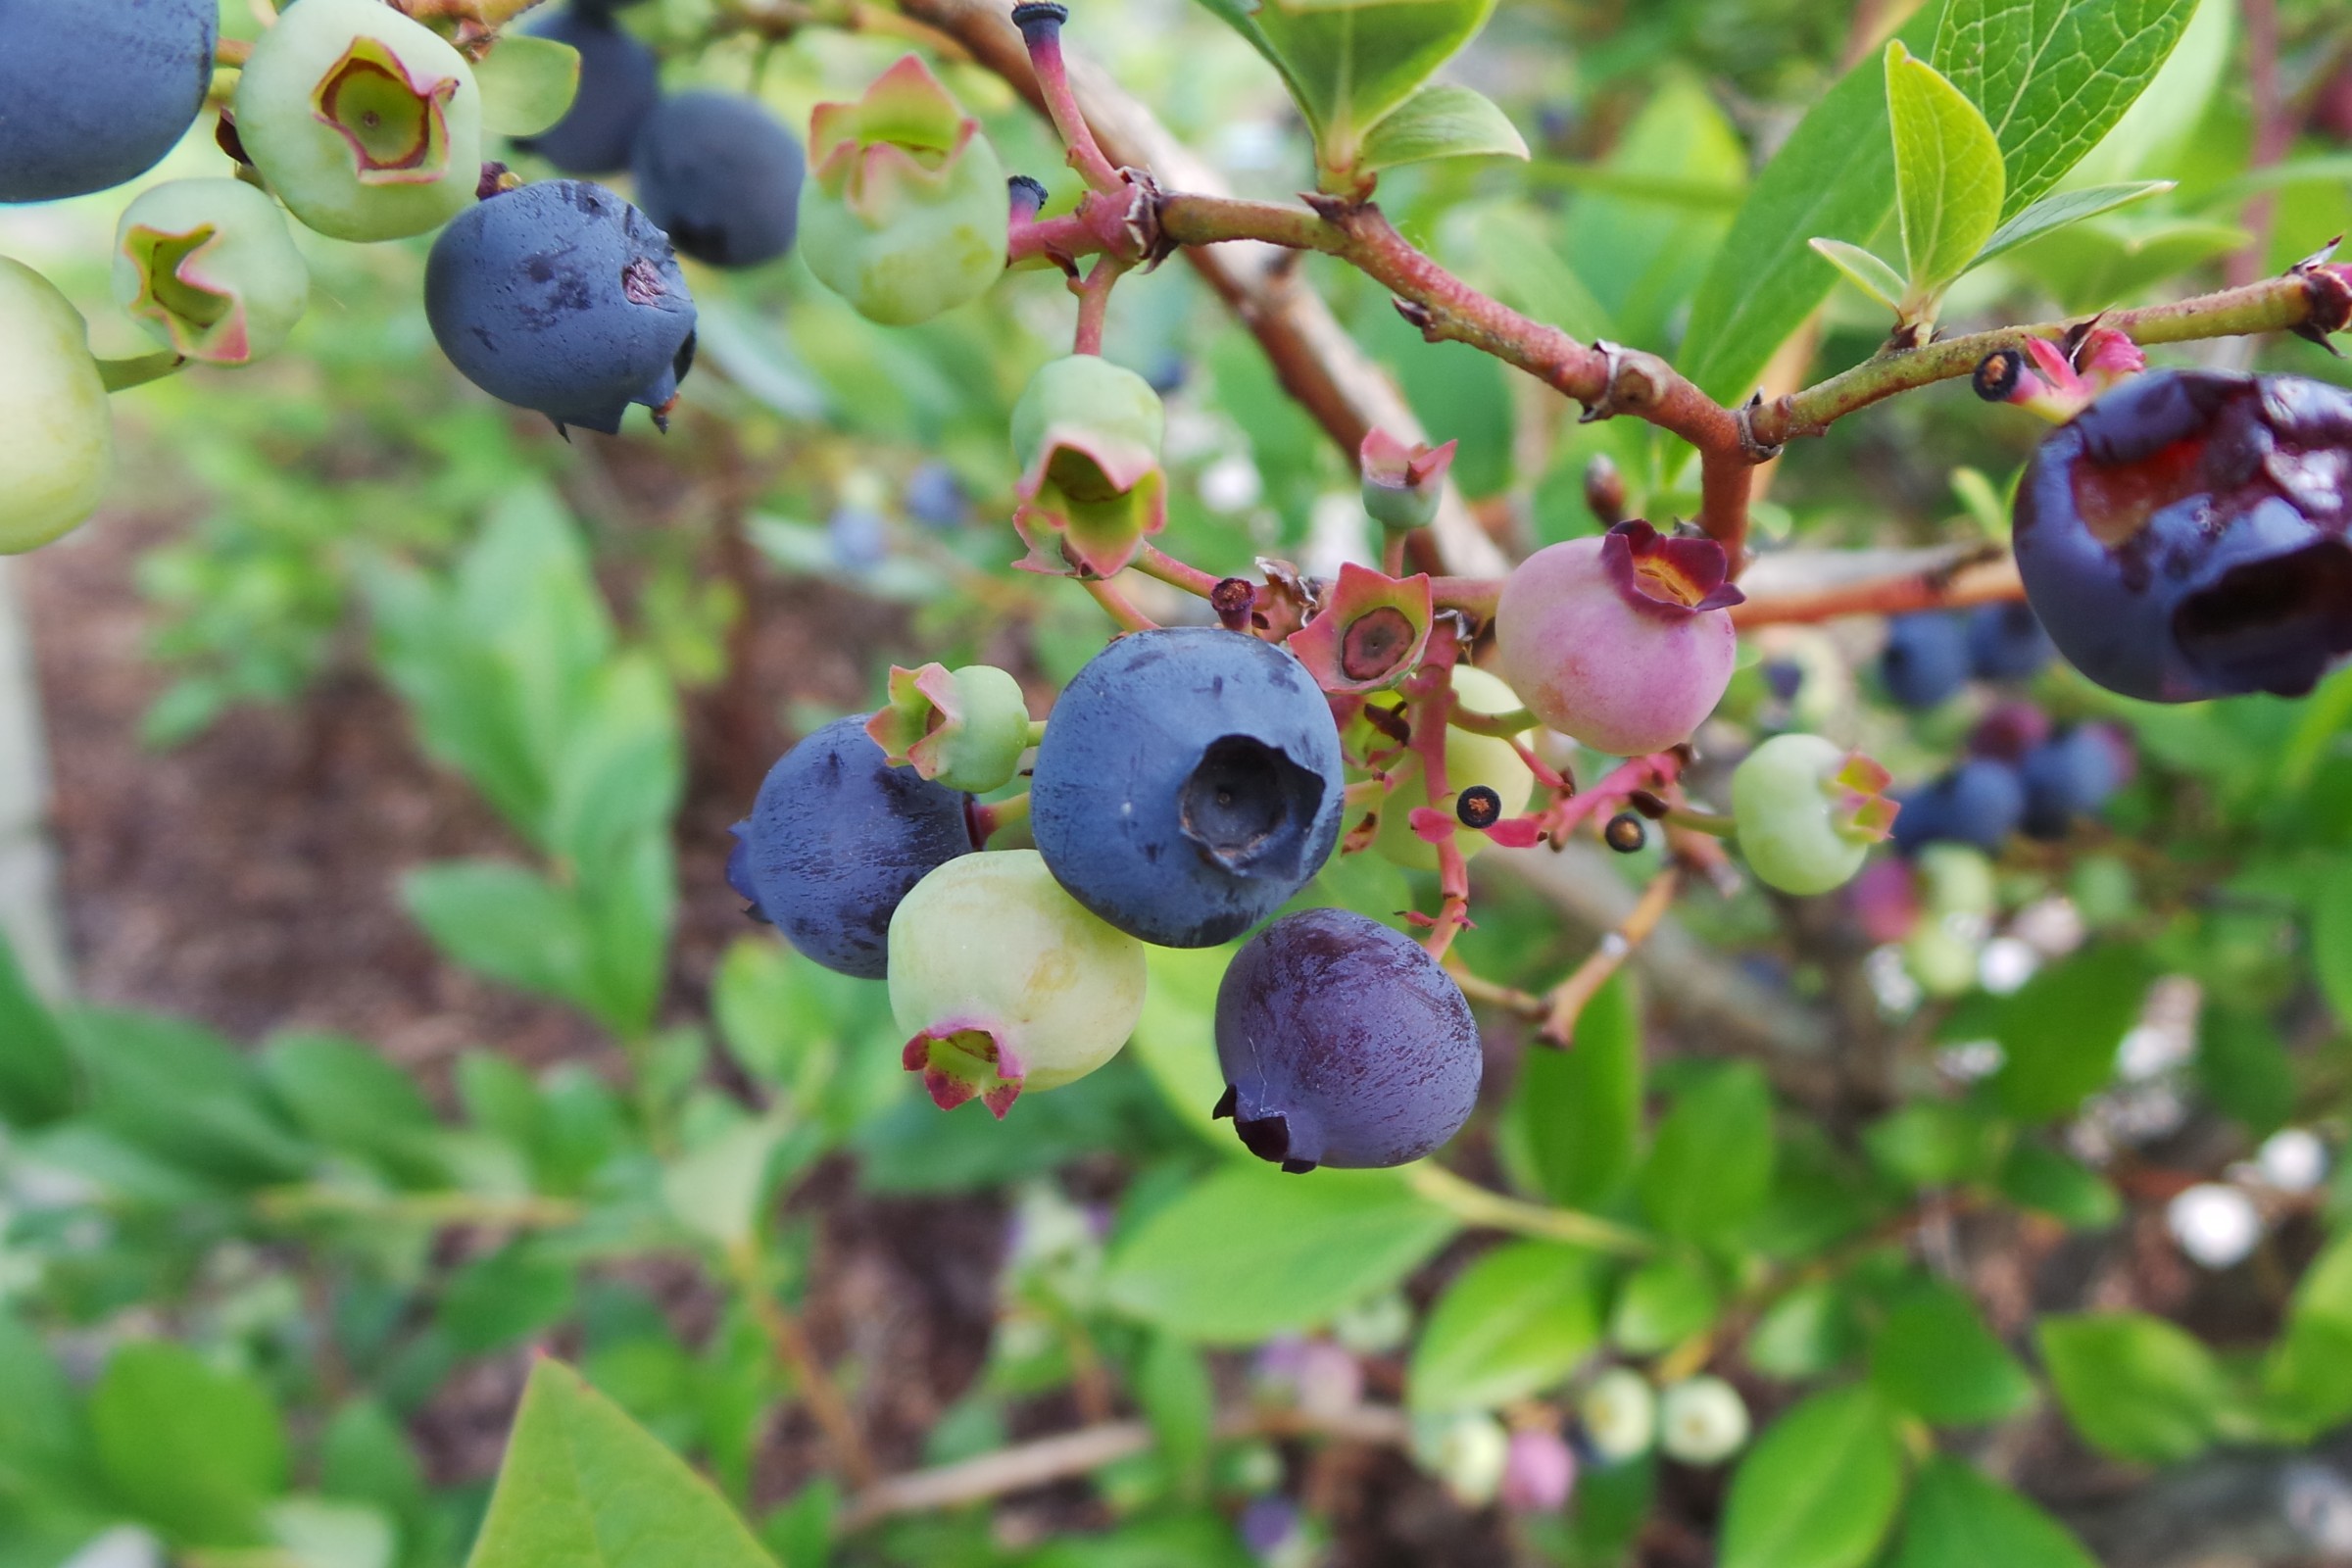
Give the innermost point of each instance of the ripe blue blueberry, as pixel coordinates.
(2069, 776)
(935, 497)
(1343, 1043)
(1925, 658)
(1189, 782)
(2185, 536)
(561, 297)
(1980, 802)
(620, 82)
(720, 176)
(94, 92)
(2006, 642)
(837, 838)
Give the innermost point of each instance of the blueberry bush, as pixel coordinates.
(1878, 1100)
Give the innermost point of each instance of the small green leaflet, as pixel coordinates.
(527, 83)
(1863, 269)
(2067, 207)
(1440, 122)
(1948, 179)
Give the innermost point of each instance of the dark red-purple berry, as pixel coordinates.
(1343, 1043)
(2185, 536)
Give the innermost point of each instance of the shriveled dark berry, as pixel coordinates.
(1997, 375)
(1624, 833)
(2186, 536)
(1478, 806)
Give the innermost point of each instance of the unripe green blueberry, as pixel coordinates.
(208, 268)
(365, 122)
(1470, 760)
(1957, 879)
(1465, 1451)
(1807, 812)
(1086, 435)
(1703, 1420)
(905, 213)
(1941, 957)
(963, 729)
(1620, 1415)
(60, 434)
(1004, 982)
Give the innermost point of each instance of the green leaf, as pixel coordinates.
(717, 1190)
(1440, 122)
(583, 1484)
(1833, 177)
(351, 1098)
(1863, 269)
(2135, 1386)
(2052, 77)
(1350, 65)
(36, 1071)
(505, 1297)
(2053, 213)
(1935, 1358)
(2331, 941)
(1515, 257)
(1806, 1333)
(622, 765)
(1959, 1519)
(1515, 1322)
(180, 1092)
(2307, 1376)
(527, 82)
(1711, 1168)
(192, 1451)
(1249, 1251)
(1948, 173)
(507, 922)
(1662, 1303)
(2059, 1032)
(1172, 1385)
(2043, 1179)
(1820, 1487)
(1580, 1111)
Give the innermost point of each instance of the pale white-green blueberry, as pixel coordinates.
(366, 122)
(1004, 982)
(208, 268)
(1957, 879)
(1807, 812)
(1620, 1415)
(1470, 758)
(1942, 953)
(1466, 1452)
(56, 435)
(1702, 1420)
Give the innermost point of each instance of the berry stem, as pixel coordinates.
(1428, 716)
(1955, 584)
(121, 375)
(1040, 22)
(1117, 605)
(1093, 304)
(747, 1268)
(1473, 1205)
(1715, 824)
(1567, 999)
(1502, 727)
(232, 52)
(1154, 562)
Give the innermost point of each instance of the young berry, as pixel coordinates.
(1472, 763)
(1401, 483)
(208, 268)
(1623, 641)
(2069, 776)
(1702, 1420)
(966, 728)
(1619, 1414)
(2185, 536)
(1004, 984)
(720, 176)
(1086, 434)
(1925, 658)
(1467, 1451)
(1189, 782)
(2006, 642)
(905, 210)
(837, 838)
(620, 82)
(1807, 812)
(1539, 1472)
(367, 124)
(60, 440)
(94, 92)
(561, 297)
(1343, 1043)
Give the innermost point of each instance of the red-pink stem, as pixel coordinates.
(1118, 606)
(1061, 105)
(1093, 304)
(1154, 562)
